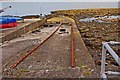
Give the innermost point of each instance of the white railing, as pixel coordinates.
(106, 47)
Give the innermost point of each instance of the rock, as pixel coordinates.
(87, 35)
(98, 62)
(30, 66)
(98, 36)
(91, 39)
(46, 71)
(114, 62)
(84, 30)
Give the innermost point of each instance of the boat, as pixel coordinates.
(9, 22)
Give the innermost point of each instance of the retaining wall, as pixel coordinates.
(22, 30)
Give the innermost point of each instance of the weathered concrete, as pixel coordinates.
(83, 58)
(22, 30)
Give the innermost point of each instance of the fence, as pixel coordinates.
(106, 47)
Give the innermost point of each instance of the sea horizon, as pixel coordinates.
(37, 8)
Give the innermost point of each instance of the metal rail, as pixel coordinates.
(72, 50)
(2, 10)
(35, 48)
(106, 47)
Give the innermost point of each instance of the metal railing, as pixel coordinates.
(106, 47)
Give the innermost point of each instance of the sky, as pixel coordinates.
(28, 8)
(61, 0)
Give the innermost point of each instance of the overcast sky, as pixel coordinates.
(24, 8)
(61, 0)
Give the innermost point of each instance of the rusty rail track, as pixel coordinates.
(34, 49)
(44, 40)
(72, 49)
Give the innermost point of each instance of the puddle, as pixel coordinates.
(99, 19)
(64, 31)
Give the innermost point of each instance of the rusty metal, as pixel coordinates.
(72, 50)
(32, 50)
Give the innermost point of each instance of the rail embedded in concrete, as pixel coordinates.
(35, 48)
(22, 30)
(72, 55)
(106, 47)
(81, 54)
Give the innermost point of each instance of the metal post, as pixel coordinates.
(105, 48)
(114, 55)
(103, 61)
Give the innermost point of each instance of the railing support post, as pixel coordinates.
(106, 47)
(103, 61)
